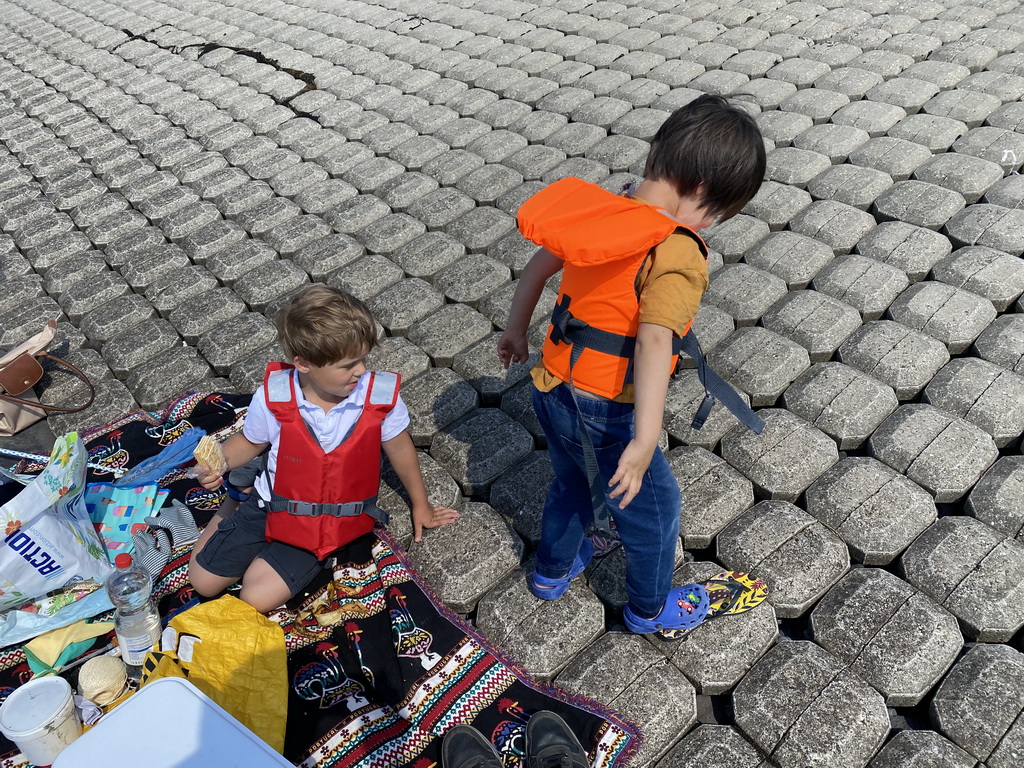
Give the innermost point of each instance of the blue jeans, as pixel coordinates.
(648, 526)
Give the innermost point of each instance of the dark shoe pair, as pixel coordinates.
(549, 744)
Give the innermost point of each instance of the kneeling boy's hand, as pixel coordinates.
(428, 516)
(207, 478)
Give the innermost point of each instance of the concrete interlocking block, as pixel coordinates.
(436, 333)
(166, 376)
(714, 746)
(816, 321)
(625, 668)
(932, 131)
(85, 295)
(169, 291)
(65, 272)
(919, 203)
(366, 277)
(969, 107)
(323, 256)
(390, 232)
(845, 403)
(952, 315)
(829, 717)
(489, 182)
(1003, 342)
(816, 103)
(784, 459)
(901, 357)
(776, 204)
(320, 197)
(132, 347)
(356, 213)
(898, 158)
(852, 82)
(440, 208)
(528, 626)
(734, 237)
(836, 142)
(397, 304)
(235, 339)
(795, 258)
(519, 494)
(892, 636)
(760, 362)
(973, 571)
(744, 292)
(941, 452)
(713, 494)
(783, 127)
(917, 749)
(982, 393)
(988, 225)
(795, 167)
(907, 92)
(261, 286)
(877, 511)
(850, 185)
(1008, 193)
(972, 177)
(838, 225)
(997, 498)
(867, 285)
(913, 250)
(479, 227)
(998, 145)
(480, 448)
(196, 313)
(142, 269)
(464, 561)
(399, 355)
(472, 278)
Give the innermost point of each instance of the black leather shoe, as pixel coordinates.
(465, 747)
(550, 743)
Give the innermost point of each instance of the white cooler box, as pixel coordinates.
(169, 723)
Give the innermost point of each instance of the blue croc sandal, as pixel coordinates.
(685, 608)
(552, 589)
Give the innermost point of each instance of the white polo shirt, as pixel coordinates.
(330, 428)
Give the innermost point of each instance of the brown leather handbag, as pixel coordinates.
(20, 370)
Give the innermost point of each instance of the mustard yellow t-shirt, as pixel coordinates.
(672, 280)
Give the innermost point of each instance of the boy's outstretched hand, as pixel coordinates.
(428, 516)
(630, 473)
(207, 478)
(512, 348)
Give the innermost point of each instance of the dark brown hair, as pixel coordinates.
(711, 144)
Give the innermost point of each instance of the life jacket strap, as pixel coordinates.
(567, 329)
(314, 509)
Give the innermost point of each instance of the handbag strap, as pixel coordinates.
(56, 408)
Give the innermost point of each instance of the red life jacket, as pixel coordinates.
(604, 239)
(321, 501)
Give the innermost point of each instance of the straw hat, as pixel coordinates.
(103, 679)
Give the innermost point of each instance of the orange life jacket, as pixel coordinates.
(604, 239)
(322, 501)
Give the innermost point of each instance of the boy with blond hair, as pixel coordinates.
(325, 419)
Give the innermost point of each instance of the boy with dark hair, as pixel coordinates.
(325, 419)
(634, 273)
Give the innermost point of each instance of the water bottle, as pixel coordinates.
(136, 620)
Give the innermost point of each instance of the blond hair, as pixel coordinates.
(325, 325)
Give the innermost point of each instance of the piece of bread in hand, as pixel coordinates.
(208, 452)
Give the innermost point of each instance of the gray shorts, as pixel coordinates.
(242, 538)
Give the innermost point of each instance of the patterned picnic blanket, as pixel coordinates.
(379, 668)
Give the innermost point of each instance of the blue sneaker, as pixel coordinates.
(685, 608)
(552, 589)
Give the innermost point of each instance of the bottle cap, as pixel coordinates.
(124, 560)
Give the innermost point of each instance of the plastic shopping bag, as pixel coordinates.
(48, 538)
